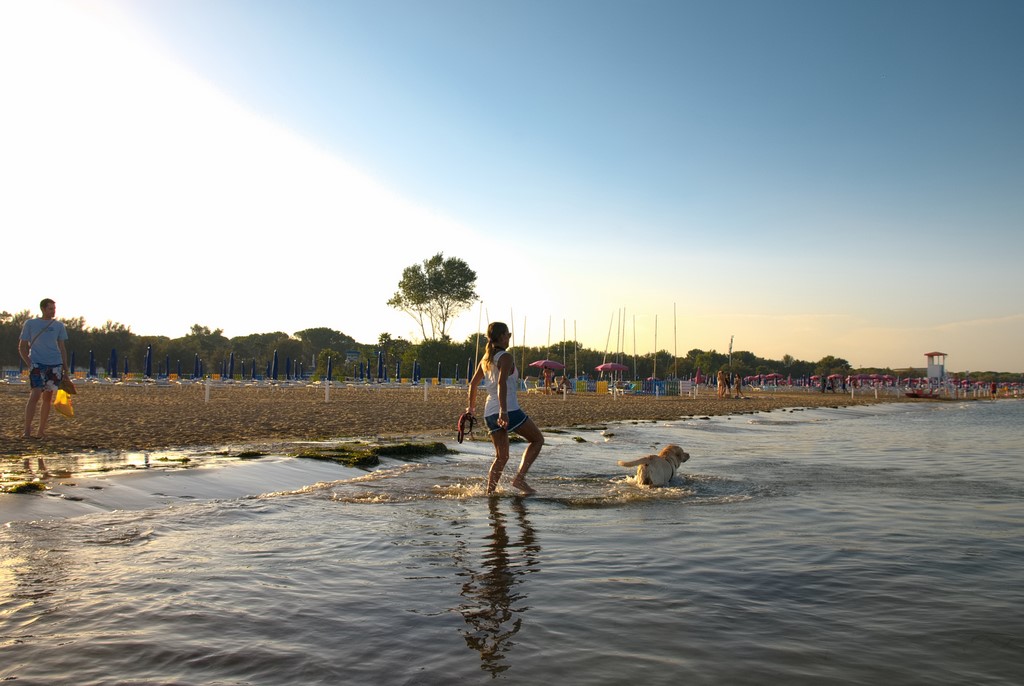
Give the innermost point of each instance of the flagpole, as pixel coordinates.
(675, 344)
(654, 374)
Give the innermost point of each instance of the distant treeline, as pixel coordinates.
(309, 349)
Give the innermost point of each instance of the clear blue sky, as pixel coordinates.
(813, 178)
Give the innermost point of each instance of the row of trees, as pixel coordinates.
(432, 293)
(311, 348)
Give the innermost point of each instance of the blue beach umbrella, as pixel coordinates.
(254, 369)
(330, 368)
(112, 365)
(416, 371)
(398, 370)
(439, 372)
(71, 367)
(195, 367)
(273, 367)
(179, 369)
(288, 367)
(92, 364)
(167, 365)
(149, 362)
(456, 372)
(126, 366)
(231, 365)
(361, 371)
(380, 365)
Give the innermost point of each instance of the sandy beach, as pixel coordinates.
(137, 446)
(119, 418)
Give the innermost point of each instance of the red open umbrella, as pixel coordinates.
(611, 367)
(547, 364)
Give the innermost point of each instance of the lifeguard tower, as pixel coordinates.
(936, 368)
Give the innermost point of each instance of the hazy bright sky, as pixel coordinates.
(813, 178)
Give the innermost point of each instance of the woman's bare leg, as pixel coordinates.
(500, 441)
(535, 438)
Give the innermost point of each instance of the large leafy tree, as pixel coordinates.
(434, 292)
(833, 365)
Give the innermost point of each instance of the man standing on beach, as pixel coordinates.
(42, 349)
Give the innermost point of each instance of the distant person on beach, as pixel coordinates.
(737, 387)
(501, 410)
(995, 390)
(549, 380)
(41, 347)
(720, 379)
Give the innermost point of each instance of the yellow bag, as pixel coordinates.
(62, 403)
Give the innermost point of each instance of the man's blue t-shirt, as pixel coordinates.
(42, 335)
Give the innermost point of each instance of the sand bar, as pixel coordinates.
(149, 417)
(117, 427)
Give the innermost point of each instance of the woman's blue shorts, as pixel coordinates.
(515, 420)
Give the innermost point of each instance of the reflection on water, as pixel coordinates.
(494, 598)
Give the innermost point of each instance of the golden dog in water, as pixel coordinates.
(658, 470)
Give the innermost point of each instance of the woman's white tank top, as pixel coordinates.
(491, 384)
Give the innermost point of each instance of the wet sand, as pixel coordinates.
(100, 460)
(149, 417)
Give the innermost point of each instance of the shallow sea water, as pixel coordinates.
(839, 546)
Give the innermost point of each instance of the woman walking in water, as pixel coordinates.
(501, 411)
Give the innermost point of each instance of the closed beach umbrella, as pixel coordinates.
(126, 366)
(167, 366)
(179, 369)
(112, 365)
(380, 365)
(362, 371)
(288, 367)
(149, 362)
(398, 370)
(416, 371)
(456, 372)
(273, 367)
(72, 366)
(195, 366)
(231, 365)
(92, 364)
(330, 367)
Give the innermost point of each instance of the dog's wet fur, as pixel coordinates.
(658, 470)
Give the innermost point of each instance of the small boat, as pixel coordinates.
(921, 394)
